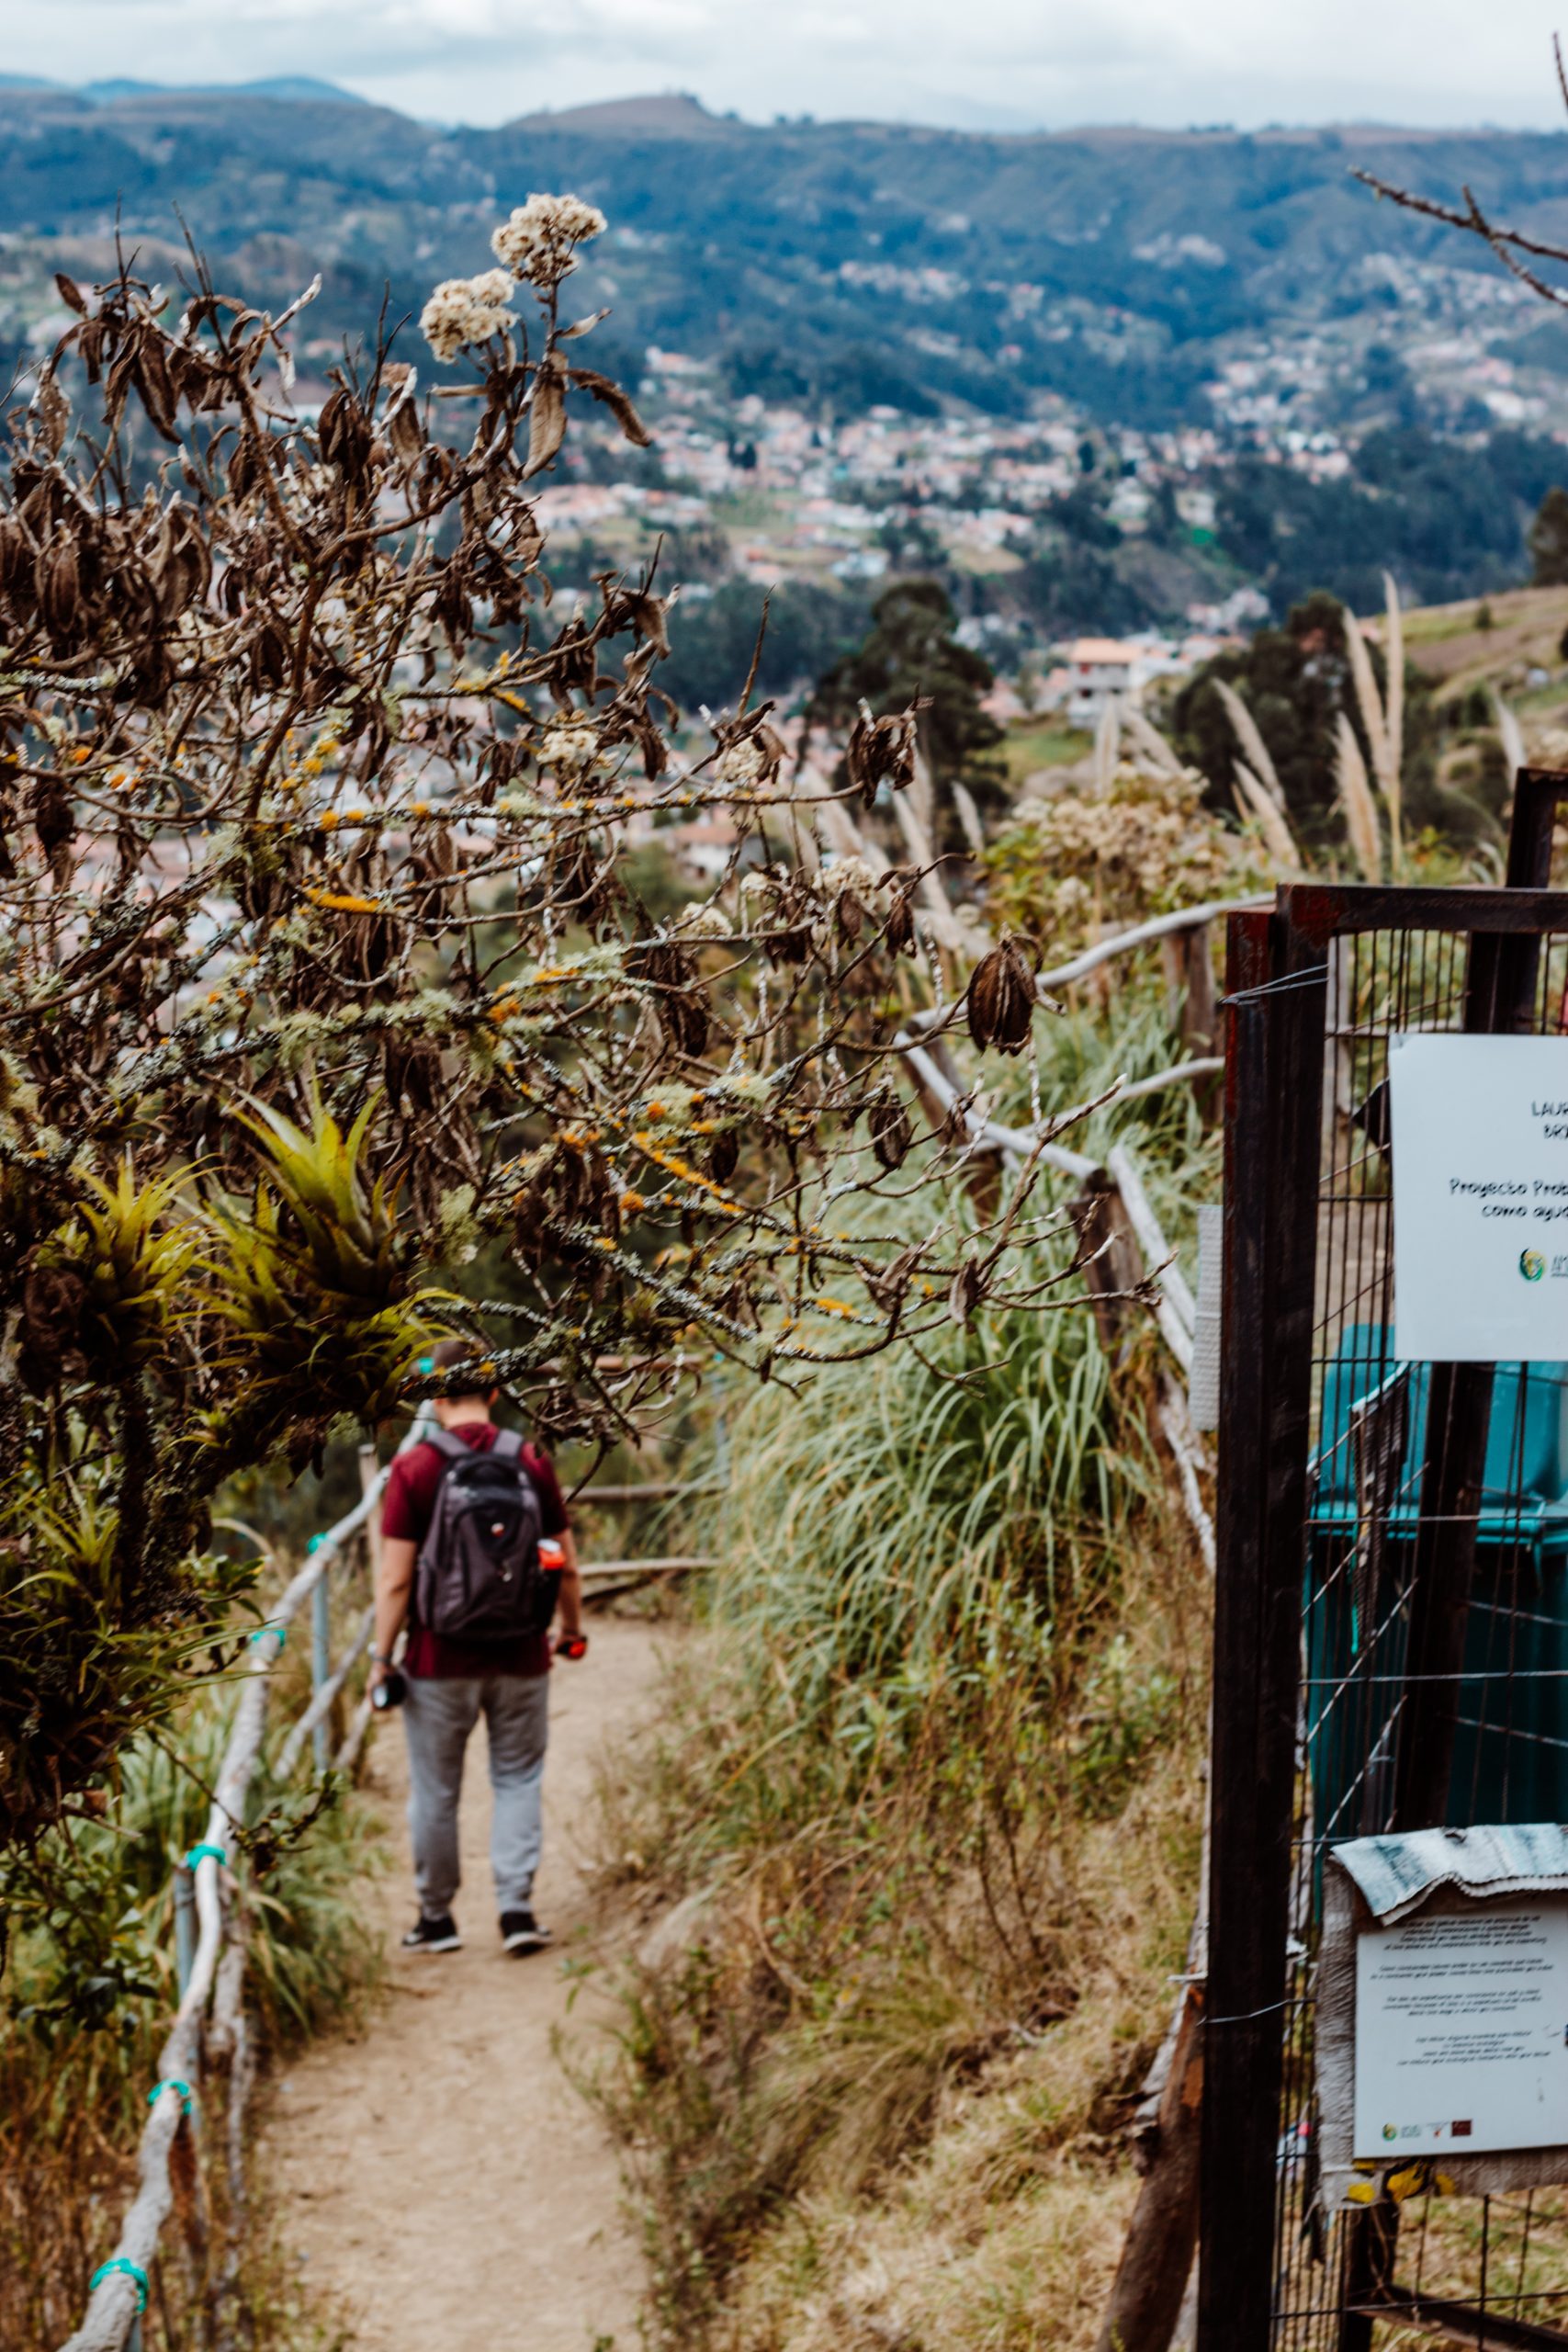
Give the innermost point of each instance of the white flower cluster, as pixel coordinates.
(537, 241)
(570, 748)
(703, 918)
(850, 874)
(466, 310)
(756, 894)
(739, 763)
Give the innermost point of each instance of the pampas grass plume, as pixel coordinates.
(1278, 837)
(1356, 797)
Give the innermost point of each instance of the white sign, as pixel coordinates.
(1480, 1138)
(1462, 2033)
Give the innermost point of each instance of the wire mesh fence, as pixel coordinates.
(1391, 1643)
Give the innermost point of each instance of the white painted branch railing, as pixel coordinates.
(216, 1970)
(1123, 942)
(111, 2320)
(1176, 1312)
(321, 1705)
(1175, 1308)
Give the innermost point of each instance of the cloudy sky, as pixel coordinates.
(1007, 64)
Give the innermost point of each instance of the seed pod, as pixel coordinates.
(343, 436)
(59, 588)
(685, 1020)
(1001, 997)
(965, 1291)
(887, 1124)
(152, 380)
(679, 1003)
(898, 932)
(245, 468)
(404, 431)
(547, 420)
(723, 1153)
(54, 821)
(791, 945)
(881, 750)
(16, 555)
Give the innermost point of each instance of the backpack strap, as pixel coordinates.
(447, 1441)
(508, 1444)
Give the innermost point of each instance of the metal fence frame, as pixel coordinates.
(1279, 1017)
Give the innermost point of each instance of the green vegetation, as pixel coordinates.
(1445, 528)
(89, 1991)
(926, 1801)
(1148, 252)
(714, 638)
(321, 974)
(1296, 681)
(1032, 744)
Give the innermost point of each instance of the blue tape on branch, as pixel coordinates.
(262, 1631)
(171, 2083)
(197, 1852)
(132, 2270)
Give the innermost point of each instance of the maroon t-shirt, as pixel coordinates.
(407, 1509)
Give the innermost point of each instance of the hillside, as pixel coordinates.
(1118, 267)
(1105, 380)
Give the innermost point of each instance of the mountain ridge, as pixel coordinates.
(1119, 268)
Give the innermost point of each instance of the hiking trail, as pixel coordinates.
(448, 2185)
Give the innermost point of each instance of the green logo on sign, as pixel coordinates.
(1532, 1265)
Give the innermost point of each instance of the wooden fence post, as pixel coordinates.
(1114, 1263)
(1156, 2257)
(1274, 1069)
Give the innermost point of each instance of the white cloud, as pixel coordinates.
(1011, 62)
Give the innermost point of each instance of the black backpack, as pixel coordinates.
(479, 1573)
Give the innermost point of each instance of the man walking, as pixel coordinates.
(461, 1523)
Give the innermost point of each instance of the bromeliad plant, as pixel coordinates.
(324, 969)
(169, 1336)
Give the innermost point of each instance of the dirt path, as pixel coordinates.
(451, 2189)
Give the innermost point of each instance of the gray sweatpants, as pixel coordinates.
(439, 1715)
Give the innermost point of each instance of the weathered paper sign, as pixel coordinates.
(1462, 2033)
(1480, 1148)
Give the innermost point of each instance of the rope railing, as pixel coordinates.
(210, 2020)
(214, 1972)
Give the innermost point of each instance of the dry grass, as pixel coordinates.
(875, 2089)
(918, 1835)
(73, 2089)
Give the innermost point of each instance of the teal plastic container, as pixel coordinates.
(1511, 1752)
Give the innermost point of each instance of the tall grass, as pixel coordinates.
(898, 1509)
(88, 1990)
(925, 1795)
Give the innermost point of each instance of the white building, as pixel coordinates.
(1101, 670)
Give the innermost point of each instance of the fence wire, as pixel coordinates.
(1484, 2270)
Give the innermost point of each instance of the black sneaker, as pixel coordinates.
(433, 1935)
(520, 1931)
